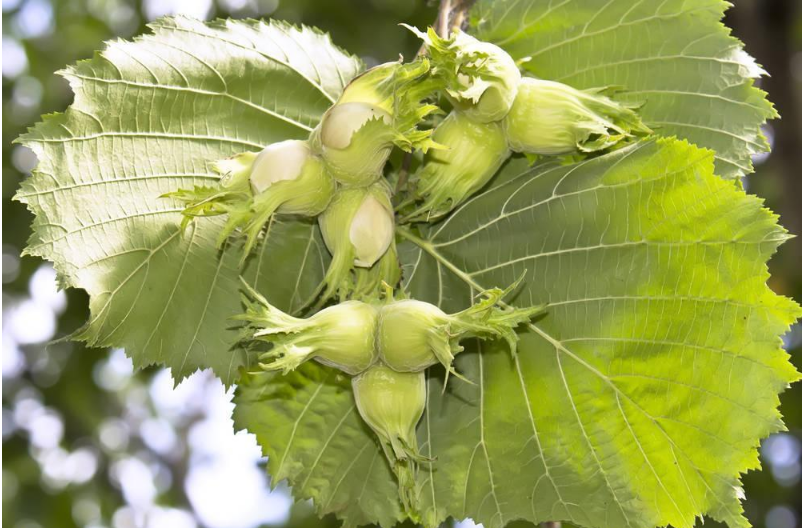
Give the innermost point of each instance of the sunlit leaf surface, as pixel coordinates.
(149, 117)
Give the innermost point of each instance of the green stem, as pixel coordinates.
(428, 247)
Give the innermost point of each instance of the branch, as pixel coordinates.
(460, 12)
(443, 17)
(452, 14)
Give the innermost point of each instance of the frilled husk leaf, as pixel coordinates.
(307, 194)
(414, 335)
(399, 89)
(231, 195)
(473, 154)
(341, 336)
(378, 109)
(479, 78)
(362, 160)
(551, 118)
(358, 228)
(368, 282)
(392, 403)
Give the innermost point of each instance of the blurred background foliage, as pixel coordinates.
(89, 443)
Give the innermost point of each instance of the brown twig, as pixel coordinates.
(443, 18)
(440, 22)
(460, 18)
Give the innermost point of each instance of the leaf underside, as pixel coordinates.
(637, 400)
(675, 56)
(149, 117)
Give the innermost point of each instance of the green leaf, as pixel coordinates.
(149, 117)
(641, 396)
(637, 400)
(675, 56)
(309, 428)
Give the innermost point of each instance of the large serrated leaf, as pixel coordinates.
(149, 117)
(641, 396)
(637, 400)
(675, 56)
